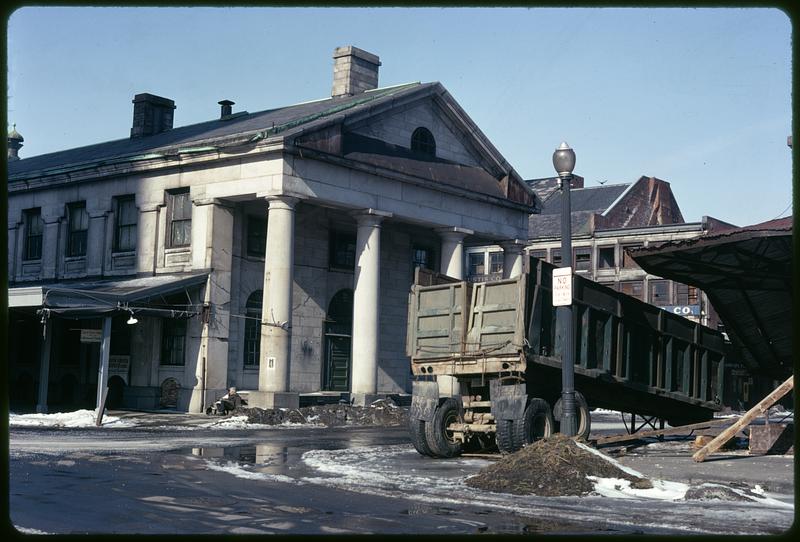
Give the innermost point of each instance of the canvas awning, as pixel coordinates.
(90, 299)
(747, 275)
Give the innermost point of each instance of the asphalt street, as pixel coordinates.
(172, 473)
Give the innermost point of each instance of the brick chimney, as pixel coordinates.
(151, 115)
(354, 71)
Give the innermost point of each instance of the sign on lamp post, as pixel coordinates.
(562, 286)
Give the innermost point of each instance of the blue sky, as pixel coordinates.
(700, 98)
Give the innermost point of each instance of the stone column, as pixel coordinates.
(52, 252)
(452, 265)
(44, 366)
(146, 237)
(452, 261)
(95, 242)
(276, 318)
(13, 249)
(366, 306)
(212, 238)
(512, 258)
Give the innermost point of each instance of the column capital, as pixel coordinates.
(287, 203)
(454, 232)
(211, 201)
(515, 246)
(370, 217)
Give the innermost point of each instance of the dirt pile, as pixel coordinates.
(383, 412)
(550, 467)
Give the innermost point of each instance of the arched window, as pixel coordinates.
(252, 329)
(422, 141)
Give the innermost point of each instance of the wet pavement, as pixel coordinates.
(173, 473)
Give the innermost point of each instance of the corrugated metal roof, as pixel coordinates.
(747, 275)
(279, 121)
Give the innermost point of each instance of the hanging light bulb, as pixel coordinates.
(132, 320)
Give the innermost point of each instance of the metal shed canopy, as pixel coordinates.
(91, 299)
(747, 275)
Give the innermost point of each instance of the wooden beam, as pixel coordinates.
(745, 420)
(658, 432)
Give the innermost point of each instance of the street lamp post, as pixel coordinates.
(564, 162)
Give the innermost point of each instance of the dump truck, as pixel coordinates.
(486, 361)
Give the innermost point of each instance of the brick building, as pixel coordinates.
(606, 221)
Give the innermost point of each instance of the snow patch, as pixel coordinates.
(241, 472)
(79, 418)
(621, 489)
(611, 460)
(28, 530)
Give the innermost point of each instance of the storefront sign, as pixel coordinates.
(683, 310)
(91, 335)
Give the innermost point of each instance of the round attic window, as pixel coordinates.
(422, 141)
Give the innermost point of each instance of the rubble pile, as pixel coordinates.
(550, 467)
(383, 412)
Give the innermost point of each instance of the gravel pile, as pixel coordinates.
(384, 413)
(550, 467)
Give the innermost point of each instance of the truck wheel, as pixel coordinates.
(441, 441)
(416, 429)
(584, 416)
(536, 423)
(504, 435)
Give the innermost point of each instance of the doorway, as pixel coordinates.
(338, 342)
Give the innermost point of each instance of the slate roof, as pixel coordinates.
(593, 198)
(585, 202)
(278, 121)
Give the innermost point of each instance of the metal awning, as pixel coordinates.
(747, 275)
(90, 299)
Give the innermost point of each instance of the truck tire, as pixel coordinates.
(537, 423)
(584, 416)
(416, 430)
(504, 436)
(439, 440)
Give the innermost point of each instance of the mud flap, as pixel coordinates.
(508, 402)
(424, 400)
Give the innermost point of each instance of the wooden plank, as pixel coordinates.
(751, 414)
(683, 429)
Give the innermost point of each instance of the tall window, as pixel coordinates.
(477, 264)
(173, 341)
(125, 228)
(256, 236)
(342, 250)
(34, 227)
(77, 229)
(495, 262)
(180, 218)
(539, 254)
(252, 329)
(686, 295)
(556, 256)
(659, 293)
(632, 288)
(605, 257)
(627, 260)
(422, 141)
(582, 258)
(421, 257)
